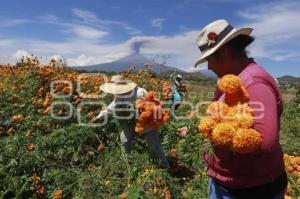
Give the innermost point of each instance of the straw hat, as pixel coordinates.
(118, 85)
(215, 35)
(179, 76)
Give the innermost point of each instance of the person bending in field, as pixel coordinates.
(125, 93)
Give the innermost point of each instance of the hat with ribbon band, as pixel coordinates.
(215, 35)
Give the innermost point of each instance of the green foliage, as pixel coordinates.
(290, 126)
(65, 155)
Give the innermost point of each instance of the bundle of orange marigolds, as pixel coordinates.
(151, 114)
(292, 166)
(230, 123)
(167, 91)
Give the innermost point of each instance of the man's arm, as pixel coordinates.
(108, 111)
(141, 92)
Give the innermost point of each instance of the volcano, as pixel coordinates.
(135, 59)
(139, 61)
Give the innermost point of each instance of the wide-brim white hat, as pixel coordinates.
(215, 35)
(118, 85)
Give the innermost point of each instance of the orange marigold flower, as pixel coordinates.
(30, 147)
(230, 84)
(233, 123)
(48, 100)
(57, 194)
(167, 92)
(241, 115)
(150, 96)
(47, 110)
(246, 141)
(67, 90)
(91, 115)
(35, 179)
(47, 72)
(165, 116)
(10, 131)
(206, 126)
(232, 87)
(217, 110)
(244, 120)
(124, 196)
(28, 133)
(167, 193)
(40, 190)
(223, 134)
(139, 128)
(241, 109)
(17, 118)
(145, 115)
(151, 113)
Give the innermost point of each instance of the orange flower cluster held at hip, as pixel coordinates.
(230, 123)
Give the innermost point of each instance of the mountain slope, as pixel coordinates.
(139, 61)
(136, 59)
(288, 79)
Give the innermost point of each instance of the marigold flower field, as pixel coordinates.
(42, 156)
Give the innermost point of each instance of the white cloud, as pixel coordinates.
(86, 32)
(276, 28)
(15, 57)
(84, 60)
(6, 42)
(84, 14)
(20, 53)
(76, 30)
(157, 22)
(48, 18)
(91, 19)
(199, 68)
(181, 48)
(60, 60)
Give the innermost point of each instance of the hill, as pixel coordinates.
(288, 79)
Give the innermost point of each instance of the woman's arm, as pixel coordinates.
(263, 101)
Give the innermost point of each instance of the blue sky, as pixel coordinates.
(94, 31)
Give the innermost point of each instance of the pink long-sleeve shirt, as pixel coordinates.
(243, 171)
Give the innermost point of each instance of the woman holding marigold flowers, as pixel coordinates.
(125, 93)
(260, 174)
